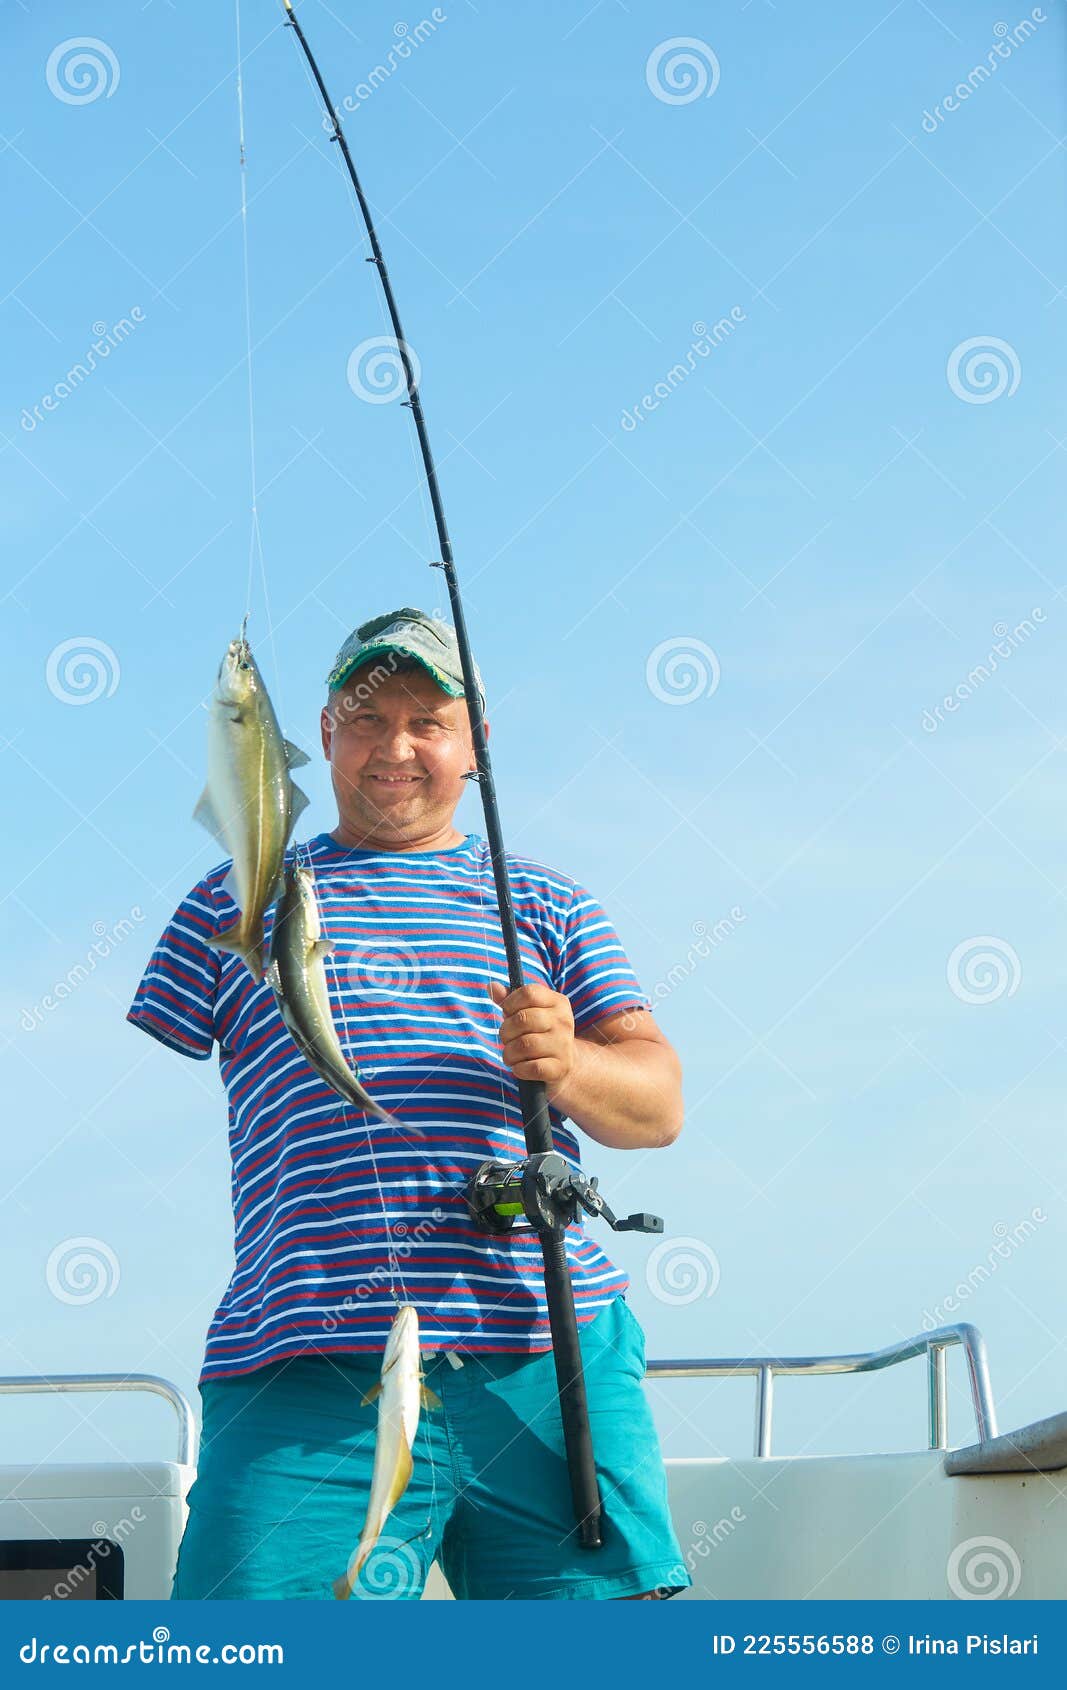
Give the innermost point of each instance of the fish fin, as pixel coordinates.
(322, 948)
(342, 1587)
(369, 1396)
(294, 756)
(428, 1398)
(229, 885)
(298, 803)
(404, 1469)
(206, 814)
(238, 943)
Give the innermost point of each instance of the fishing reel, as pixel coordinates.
(547, 1192)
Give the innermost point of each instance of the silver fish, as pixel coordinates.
(400, 1393)
(296, 972)
(249, 804)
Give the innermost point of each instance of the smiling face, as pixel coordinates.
(398, 748)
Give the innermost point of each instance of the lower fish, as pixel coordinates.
(297, 975)
(400, 1392)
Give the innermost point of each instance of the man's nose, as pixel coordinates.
(396, 744)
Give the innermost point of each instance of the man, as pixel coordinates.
(339, 1218)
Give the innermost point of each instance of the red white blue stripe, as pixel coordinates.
(416, 941)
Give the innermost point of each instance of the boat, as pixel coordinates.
(985, 1520)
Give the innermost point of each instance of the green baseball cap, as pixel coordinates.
(406, 633)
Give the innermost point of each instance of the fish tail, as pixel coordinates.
(391, 1120)
(342, 1588)
(358, 1094)
(248, 946)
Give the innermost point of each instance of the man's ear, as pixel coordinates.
(326, 728)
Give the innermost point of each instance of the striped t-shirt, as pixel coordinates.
(416, 940)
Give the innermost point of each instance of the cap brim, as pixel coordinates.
(396, 648)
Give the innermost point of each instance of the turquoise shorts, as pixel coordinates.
(285, 1464)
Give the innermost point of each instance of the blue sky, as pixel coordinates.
(849, 496)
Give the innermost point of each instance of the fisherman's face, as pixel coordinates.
(398, 748)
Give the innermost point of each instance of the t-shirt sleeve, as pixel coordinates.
(594, 971)
(175, 1001)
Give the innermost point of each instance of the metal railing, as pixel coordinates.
(764, 1369)
(116, 1382)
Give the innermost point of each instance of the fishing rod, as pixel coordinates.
(552, 1202)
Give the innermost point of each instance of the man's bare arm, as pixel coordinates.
(620, 1080)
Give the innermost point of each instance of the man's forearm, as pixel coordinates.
(626, 1095)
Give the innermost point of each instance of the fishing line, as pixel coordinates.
(255, 539)
(396, 1274)
(480, 876)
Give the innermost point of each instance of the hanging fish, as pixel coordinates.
(249, 804)
(400, 1392)
(297, 974)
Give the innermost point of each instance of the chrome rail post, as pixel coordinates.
(974, 1348)
(938, 1389)
(764, 1410)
